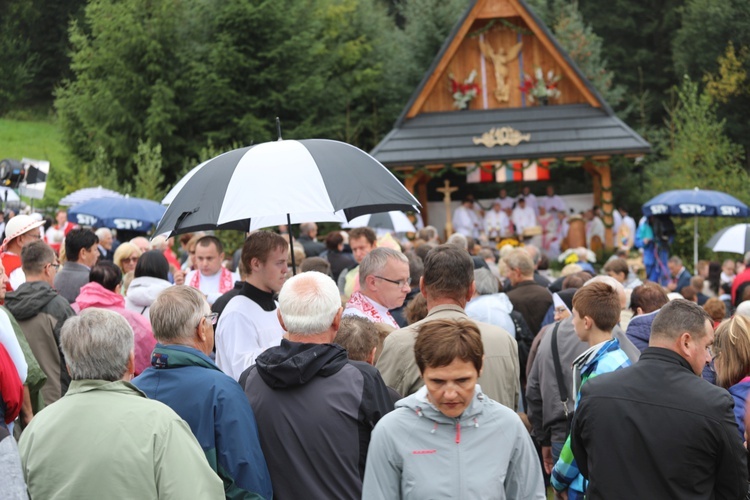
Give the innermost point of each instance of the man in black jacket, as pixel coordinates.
(315, 409)
(656, 429)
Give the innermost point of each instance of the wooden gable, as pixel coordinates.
(500, 25)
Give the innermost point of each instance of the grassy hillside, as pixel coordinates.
(38, 140)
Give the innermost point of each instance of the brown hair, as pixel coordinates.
(732, 350)
(416, 309)
(600, 302)
(448, 273)
(259, 245)
(206, 241)
(715, 308)
(617, 266)
(363, 232)
(649, 297)
(576, 280)
(441, 341)
(358, 336)
(689, 293)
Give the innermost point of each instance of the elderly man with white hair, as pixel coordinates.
(106, 240)
(384, 282)
(315, 408)
(116, 442)
(183, 376)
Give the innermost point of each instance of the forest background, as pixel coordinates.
(140, 91)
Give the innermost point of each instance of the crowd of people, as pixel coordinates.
(380, 368)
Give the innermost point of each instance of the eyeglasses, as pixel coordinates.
(400, 283)
(56, 266)
(713, 351)
(130, 259)
(211, 318)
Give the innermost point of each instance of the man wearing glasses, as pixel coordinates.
(40, 313)
(384, 282)
(183, 377)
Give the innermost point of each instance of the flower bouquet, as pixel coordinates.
(463, 93)
(541, 87)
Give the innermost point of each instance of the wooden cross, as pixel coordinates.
(447, 190)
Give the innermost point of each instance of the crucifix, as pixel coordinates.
(447, 190)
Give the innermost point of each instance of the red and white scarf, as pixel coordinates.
(226, 281)
(363, 305)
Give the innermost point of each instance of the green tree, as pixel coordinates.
(697, 153)
(149, 180)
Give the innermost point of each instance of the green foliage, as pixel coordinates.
(585, 48)
(637, 43)
(149, 180)
(698, 153)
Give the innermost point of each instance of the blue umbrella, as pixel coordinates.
(695, 203)
(131, 214)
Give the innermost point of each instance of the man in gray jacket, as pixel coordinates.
(314, 407)
(81, 253)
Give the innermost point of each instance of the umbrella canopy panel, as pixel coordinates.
(733, 239)
(311, 180)
(695, 203)
(394, 221)
(87, 194)
(132, 214)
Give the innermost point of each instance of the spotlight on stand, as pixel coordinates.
(11, 172)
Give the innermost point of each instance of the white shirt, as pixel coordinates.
(17, 278)
(496, 223)
(463, 221)
(506, 203)
(530, 202)
(554, 201)
(594, 228)
(209, 285)
(244, 331)
(523, 218)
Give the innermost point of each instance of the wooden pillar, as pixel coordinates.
(607, 203)
(416, 184)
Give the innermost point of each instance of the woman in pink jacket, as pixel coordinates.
(103, 291)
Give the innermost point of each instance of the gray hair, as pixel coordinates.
(102, 232)
(677, 317)
(533, 251)
(675, 260)
(308, 303)
(35, 256)
(176, 313)
(307, 227)
(485, 282)
(158, 243)
(746, 260)
(521, 260)
(375, 261)
(458, 240)
(97, 345)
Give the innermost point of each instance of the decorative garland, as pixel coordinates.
(505, 23)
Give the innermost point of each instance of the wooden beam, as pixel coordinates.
(607, 204)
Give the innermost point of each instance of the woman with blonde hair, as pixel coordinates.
(731, 358)
(126, 257)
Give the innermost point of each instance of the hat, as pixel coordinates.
(19, 225)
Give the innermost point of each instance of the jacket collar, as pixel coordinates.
(666, 356)
(419, 403)
(81, 386)
(263, 299)
(76, 266)
(175, 356)
(445, 307)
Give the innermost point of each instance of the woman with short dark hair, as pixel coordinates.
(151, 274)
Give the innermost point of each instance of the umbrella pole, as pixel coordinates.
(695, 245)
(291, 245)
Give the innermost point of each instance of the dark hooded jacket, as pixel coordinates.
(315, 411)
(41, 312)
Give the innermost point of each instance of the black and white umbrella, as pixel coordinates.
(733, 239)
(395, 221)
(284, 182)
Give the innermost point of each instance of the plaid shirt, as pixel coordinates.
(603, 358)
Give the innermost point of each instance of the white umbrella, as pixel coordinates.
(87, 194)
(7, 194)
(732, 239)
(395, 221)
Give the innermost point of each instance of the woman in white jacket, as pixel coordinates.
(448, 440)
(151, 273)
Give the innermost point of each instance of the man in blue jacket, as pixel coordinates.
(183, 377)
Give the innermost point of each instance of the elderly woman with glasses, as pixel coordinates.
(731, 358)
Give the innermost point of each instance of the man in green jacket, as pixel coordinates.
(104, 438)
